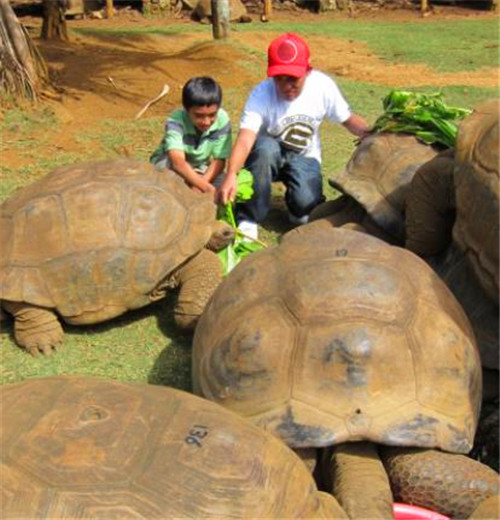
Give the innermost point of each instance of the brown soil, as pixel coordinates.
(113, 77)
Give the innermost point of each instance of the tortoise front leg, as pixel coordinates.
(35, 328)
(359, 481)
(198, 278)
(451, 484)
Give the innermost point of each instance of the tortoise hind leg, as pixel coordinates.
(198, 278)
(487, 510)
(451, 484)
(35, 328)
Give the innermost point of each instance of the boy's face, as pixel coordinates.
(203, 117)
(289, 87)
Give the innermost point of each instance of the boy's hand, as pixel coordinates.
(202, 186)
(227, 190)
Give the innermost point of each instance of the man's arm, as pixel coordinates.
(241, 150)
(215, 168)
(357, 126)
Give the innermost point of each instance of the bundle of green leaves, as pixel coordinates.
(424, 115)
(243, 245)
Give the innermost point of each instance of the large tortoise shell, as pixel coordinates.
(99, 234)
(84, 448)
(476, 175)
(378, 175)
(334, 336)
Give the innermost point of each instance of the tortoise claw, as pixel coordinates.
(33, 351)
(46, 349)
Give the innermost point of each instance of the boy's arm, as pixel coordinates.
(186, 171)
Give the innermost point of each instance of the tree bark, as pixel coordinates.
(54, 21)
(22, 68)
(109, 9)
(267, 10)
(220, 19)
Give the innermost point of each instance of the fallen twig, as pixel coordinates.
(164, 92)
(112, 81)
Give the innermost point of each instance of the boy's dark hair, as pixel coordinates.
(201, 92)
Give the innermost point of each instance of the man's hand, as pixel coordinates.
(241, 150)
(227, 190)
(357, 126)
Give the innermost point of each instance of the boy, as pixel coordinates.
(197, 139)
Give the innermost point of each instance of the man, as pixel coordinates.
(278, 138)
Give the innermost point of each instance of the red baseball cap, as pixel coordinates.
(288, 55)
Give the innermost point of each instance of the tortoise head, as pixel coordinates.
(222, 235)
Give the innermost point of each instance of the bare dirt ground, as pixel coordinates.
(113, 77)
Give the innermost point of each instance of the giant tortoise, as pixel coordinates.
(237, 11)
(477, 193)
(375, 183)
(470, 188)
(87, 448)
(469, 183)
(90, 241)
(335, 338)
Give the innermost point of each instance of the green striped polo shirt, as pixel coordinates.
(200, 148)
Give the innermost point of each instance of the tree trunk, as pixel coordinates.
(267, 10)
(220, 19)
(54, 21)
(22, 68)
(109, 9)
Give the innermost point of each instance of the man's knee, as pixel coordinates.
(266, 149)
(302, 202)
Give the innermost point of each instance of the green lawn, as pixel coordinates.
(445, 45)
(145, 345)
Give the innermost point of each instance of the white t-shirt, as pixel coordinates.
(296, 123)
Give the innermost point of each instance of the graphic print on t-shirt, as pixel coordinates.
(295, 132)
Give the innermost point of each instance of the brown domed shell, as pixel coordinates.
(98, 234)
(477, 160)
(83, 448)
(379, 173)
(334, 336)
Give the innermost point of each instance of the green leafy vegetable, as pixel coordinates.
(424, 115)
(234, 253)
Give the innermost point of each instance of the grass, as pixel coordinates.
(445, 45)
(448, 45)
(145, 345)
(18, 129)
(134, 138)
(142, 346)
